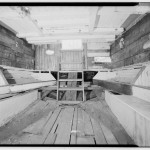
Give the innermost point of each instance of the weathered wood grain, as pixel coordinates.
(134, 40)
(73, 138)
(114, 86)
(64, 129)
(99, 135)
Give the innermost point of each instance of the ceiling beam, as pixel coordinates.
(96, 40)
(71, 36)
(50, 40)
(98, 54)
(108, 30)
(94, 18)
(64, 22)
(42, 42)
(97, 46)
(99, 51)
(129, 10)
(24, 35)
(102, 31)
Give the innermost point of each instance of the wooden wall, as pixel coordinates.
(44, 61)
(96, 49)
(72, 57)
(14, 51)
(49, 62)
(134, 40)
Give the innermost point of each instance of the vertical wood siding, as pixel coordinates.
(44, 61)
(71, 56)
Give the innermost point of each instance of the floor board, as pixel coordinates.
(99, 135)
(108, 135)
(72, 124)
(64, 128)
(73, 138)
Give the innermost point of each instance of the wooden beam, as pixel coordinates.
(114, 86)
(98, 54)
(85, 55)
(130, 10)
(24, 35)
(4, 89)
(48, 41)
(133, 115)
(94, 18)
(108, 30)
(97, 46)
(3, 80)
(24, 87)
(98, 51)
(70, 36)
(7, 27)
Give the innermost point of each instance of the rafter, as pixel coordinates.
(69, 36)
(94, 18)
(107, 54)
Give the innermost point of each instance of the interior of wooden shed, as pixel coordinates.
(75, 75)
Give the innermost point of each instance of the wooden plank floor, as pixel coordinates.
(65, 125)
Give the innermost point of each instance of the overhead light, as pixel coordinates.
(49, 52)
(147, 44)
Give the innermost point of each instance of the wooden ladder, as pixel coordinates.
(70, 80)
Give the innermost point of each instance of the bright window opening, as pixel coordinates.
(72, 45)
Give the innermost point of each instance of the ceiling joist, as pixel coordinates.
(94, 18)
(127, 10)
(102, 31)
(98, 54)
(70, 36)
(49, 24)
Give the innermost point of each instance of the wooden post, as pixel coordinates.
(85, 55)
(71, 95)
